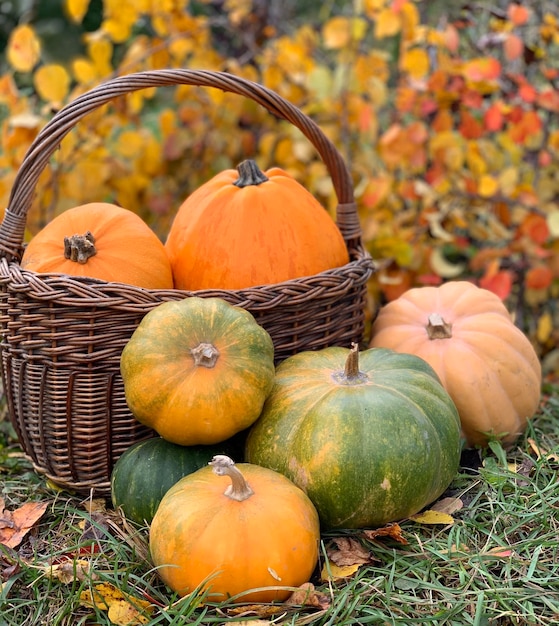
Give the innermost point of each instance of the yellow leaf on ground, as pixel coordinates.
(122, 608)
(432, 517)
(337, 572)
(52, 82)
(24, 49)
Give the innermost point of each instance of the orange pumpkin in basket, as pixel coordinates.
(486, 363)
(245, 228)
(103, 241)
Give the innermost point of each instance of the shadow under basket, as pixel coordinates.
(62, 337)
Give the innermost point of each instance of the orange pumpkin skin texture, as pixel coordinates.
(226, 236)
(197, 370)
(269, 539)
(121, 247)
(486, 363)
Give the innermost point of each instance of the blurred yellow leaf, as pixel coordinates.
(52, 82)
(100, 51)
(508, 180)
(415, 62)
(84, 71)
(24, 49)
(545, 327)
(387, 24)
(487, 186)
(76, 9)
(433, 517)
(338, 32)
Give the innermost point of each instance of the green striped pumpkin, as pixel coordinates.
(148, 469)
(370, 437)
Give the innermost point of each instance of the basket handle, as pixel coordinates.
(12, 228)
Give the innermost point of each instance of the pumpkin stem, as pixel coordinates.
(205, 355)
(79, 248)
(437, 328)
(249, 174)
(239, 489)
(351, 374)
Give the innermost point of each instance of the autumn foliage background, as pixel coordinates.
(446, 113)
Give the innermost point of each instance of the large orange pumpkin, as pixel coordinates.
(103, 241)
(258, 532)
(485, 362)
(245, 228)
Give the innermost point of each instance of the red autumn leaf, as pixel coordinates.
(518, 14)
(493, 118)
(482, 68)
(513, 47)
(539, 277)
(528, 93)
(549, 99)
(500, 283)
(470, 127)
(534, 227)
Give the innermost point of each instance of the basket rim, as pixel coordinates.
(37, 157)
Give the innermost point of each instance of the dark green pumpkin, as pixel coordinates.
(370, 437)
(148, 469)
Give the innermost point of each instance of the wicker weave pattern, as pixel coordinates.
(62, 337)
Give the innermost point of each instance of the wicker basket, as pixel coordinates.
(62, 337)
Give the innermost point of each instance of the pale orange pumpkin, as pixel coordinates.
(103, 241)
(486, 363)
(259, 531)
(245, 228)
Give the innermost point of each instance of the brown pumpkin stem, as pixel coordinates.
(249, 174)
(205, 355)
(79, 248)
(351, 374)
(239, 489)
(437, 328)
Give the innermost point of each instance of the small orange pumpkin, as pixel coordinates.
(245, 228)
(261, 531)
(486, 363)
(103, 241)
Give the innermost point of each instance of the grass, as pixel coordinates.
(495, 565)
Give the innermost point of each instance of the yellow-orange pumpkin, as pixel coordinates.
(245, 228)
(103, 241)
(260, 531)
(486, 363)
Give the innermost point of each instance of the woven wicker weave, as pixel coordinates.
(62, 337)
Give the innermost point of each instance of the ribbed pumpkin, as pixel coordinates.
(371, 437)
(486, 363)
(197, 371)
(245, 228)
(148, 469)
(260, 531)
(103, 241)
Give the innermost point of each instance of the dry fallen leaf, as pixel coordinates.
(256, 610)
(307, 595)
(392, 531)
(541, 452)
(14, 525)
(122, 608)
(447, 505)
(69, 571)
(348, 551)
